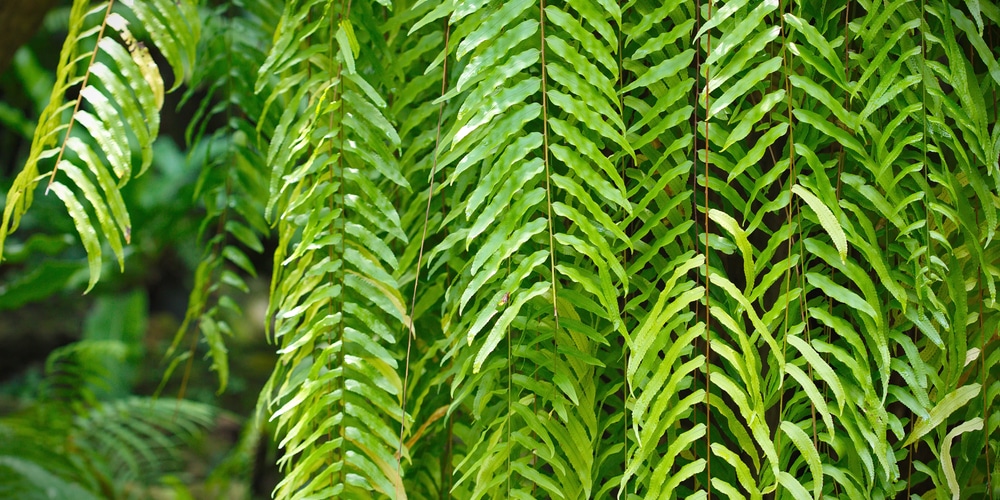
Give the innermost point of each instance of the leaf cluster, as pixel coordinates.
(583, 248)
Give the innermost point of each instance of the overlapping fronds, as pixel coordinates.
(590, 249)
(105, 104)
(679, 249)
(721, 213)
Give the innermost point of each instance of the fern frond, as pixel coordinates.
(232, 184)
(137, 439)
(119, 94)
(335, 303)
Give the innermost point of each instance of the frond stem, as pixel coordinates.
(626, 388)
(79, 98)
(708, 316)
(423, 238)
(345, 11)
(545, 159)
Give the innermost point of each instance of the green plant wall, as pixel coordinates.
(584, 248)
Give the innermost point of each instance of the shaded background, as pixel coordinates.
(44, 274)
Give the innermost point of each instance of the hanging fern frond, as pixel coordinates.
(233, 181)
(81, 147)
(660, 361)
(335, 394)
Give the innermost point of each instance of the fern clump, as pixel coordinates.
(73, 443)
(574, 248)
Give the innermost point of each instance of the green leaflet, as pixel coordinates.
(594, 47)
(730, 225)
(752, 116)
(941, 411)
(825, 372)
(826, 219)
(974, 424)
(741, 87)
(492, 26)
(88, 234)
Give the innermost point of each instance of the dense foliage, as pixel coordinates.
(575, 249)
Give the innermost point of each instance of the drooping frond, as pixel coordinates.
(534, 290)
(662, 356)
(233, 181)
(82, 146)
(336, 393)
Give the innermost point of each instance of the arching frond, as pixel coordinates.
(81, 148)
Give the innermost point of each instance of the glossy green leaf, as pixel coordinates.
(941, 411)
(826, 219)
(974, 424)
(87, 231)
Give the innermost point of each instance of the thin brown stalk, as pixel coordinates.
(79, 98)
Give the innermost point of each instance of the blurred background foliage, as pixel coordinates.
(78, 373)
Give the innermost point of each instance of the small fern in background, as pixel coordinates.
(71, 444)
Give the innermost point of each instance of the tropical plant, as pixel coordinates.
(580, 249)
(82, 435)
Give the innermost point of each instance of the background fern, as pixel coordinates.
(78, 441)
(583, 249)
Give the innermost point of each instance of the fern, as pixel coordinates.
(119, 92)
(589, 249)
(336, 389)
(74, 444)
(232, 184)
